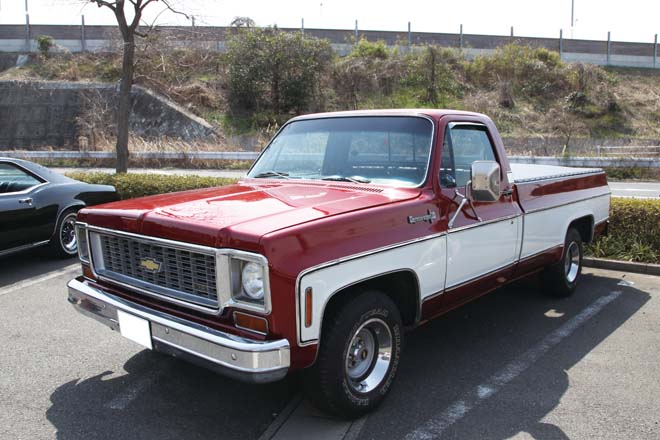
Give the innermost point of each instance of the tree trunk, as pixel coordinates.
(124, 112)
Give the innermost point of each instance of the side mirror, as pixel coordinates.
(485, 181)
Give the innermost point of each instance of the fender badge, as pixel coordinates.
(150, 264)
(430, 217)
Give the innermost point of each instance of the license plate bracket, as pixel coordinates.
(135, 328)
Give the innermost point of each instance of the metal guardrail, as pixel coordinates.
(629, 150)
(599, 162)
(199, 155)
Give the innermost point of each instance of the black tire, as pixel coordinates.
(336, 381)
(560, 280)
(59, 246)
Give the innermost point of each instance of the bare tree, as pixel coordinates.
(128, 30)
(242, 22)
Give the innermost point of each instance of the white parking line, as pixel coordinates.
(123, 399)
(435, 426)
(31, 282)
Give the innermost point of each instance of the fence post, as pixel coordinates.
(655, 49)
(609, 47)
(561, 43)
(460, 38)
(302, 26)
(83, 42)
(511, 31)
(356, 31)
(27, 32)
(409, 37)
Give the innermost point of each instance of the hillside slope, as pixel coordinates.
(538, 101)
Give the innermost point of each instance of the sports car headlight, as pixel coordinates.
(81, 237)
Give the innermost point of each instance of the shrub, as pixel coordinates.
(45, 44)
(536, 73)
(137, 185)
(633, 173)
(634, 232)
(367, 49)
(274, 71)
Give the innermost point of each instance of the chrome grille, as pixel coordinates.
(184, 274)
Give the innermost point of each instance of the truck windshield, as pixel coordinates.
(389, 150)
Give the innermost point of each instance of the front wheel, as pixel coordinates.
(358, 357)
(561, 279)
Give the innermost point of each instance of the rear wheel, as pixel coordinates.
(561, 279)
(358, 357)
(64, 243)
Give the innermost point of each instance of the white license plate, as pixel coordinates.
(134, 328)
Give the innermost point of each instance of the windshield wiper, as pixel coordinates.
(354, 179)
(279, 174)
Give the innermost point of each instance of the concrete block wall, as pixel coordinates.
(35, 114)
(20, 38)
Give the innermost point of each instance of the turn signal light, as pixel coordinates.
(308, 307)
(251, 323)
(87, 272)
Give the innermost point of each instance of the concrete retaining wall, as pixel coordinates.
(34, 114)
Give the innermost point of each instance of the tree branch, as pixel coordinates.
(169, 6)
(101, 3)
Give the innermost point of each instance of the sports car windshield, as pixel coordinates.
(389, 150)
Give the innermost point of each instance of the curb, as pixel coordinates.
(625, 266)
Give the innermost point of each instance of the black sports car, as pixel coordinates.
(38, 207)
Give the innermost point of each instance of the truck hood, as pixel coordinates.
(239, 215)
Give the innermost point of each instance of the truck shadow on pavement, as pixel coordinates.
(448, 358)
(161, 397)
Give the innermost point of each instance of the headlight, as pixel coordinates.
(83, 248)
(252, 280)
(248, 282)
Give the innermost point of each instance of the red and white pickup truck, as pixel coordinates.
(348, 229)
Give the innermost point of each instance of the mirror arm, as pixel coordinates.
(464, 201)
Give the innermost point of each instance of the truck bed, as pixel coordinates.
(530, 172)
(541, 187)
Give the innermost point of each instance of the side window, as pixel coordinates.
(13, 179)
(463, 145)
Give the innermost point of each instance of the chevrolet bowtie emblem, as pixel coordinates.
(150, 264)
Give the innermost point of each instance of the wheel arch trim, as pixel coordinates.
(306, 279)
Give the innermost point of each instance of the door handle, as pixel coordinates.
(27, 200)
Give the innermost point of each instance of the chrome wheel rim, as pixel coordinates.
(572, 262)
(68, 234)
(368, 356)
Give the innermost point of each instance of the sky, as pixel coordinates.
(630, 20)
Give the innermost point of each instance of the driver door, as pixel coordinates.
(483, 241)
(20, 223)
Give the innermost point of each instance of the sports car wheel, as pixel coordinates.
(64, 243)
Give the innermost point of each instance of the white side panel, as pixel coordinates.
(425, 258)
(476, 251)
(546, 229)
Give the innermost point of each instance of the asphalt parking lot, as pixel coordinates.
(513, 364)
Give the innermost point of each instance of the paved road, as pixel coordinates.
(513, 364)
(619, 189)
(642, 190)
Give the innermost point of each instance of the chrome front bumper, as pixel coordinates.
(230, 355)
